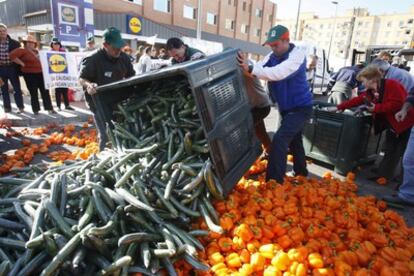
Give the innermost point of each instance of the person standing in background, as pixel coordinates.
(385, 56)
(163, 54)
(28, 58)
(144, 63)
(285, 70)
(9, 71)
(90, 45)
(56, 45)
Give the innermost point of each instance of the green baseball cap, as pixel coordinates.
(275, 33)
(112, 36)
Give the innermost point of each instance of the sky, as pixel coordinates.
(287, 9)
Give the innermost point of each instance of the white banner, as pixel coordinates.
(61, 69)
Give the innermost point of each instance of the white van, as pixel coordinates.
(322, 73)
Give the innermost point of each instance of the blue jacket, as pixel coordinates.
(286, 77)
(404, 77)
(346, 74)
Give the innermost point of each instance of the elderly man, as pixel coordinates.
(106, 65)
(181, 52)
(9, 71)
(285, 70)
(395, 73)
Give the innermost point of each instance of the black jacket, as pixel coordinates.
(13, 44)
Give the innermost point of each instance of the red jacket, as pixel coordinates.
(394, 97)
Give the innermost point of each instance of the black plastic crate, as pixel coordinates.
(340, 139)
(216, 84)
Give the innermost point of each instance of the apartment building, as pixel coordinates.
(357, 29)
(234, 23)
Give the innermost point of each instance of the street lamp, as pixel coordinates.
(333, 30)
(297, 21)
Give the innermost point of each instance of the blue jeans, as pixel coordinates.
(406, 190)
(10, 73)
(288, 136)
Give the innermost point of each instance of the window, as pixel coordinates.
(189, 12)
(244, 5)
(407, 32)
(211, 18)
(245, 28)
(321, 26)
(410, 21)
(360, 23)
(270, 18)
(162, 5)
(366, 24)
(229, 24)
(389, 24)
(329, 26)
(230, 2)
(258, 32)
(357, 33)
(387, 34)
(138, 2)
(259, 13)
(401, 23)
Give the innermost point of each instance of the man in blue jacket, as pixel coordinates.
(285, 70)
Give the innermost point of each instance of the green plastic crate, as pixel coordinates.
(340, 139)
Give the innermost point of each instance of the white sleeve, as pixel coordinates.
(282, 70)
(147, 64)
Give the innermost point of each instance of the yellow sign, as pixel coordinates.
(57, 63)
(135, 24)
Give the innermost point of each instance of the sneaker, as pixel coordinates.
(397, 200)
(69, 108)
(7, 110)
(36, 112)
(51, 111)
(21, 109)
(60, 109)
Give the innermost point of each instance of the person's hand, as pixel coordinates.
(401, 115)
(242, 62)
(91, 88)
(1, 82)
(371, 107)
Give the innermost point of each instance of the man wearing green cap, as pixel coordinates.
(285, 70)
(106, 65)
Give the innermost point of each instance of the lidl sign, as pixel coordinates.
(134, 24)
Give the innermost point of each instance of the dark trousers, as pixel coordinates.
(288, 136)
(99, 124)
(394, 147)
(259, 113)
(10, 73)
(35, 83)
(59, 92)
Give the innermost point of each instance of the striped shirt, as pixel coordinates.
(4, 53)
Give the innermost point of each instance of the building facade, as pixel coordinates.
(234, 23)
(357, 29)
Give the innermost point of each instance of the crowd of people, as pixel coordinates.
(21, 58)
(384, 90)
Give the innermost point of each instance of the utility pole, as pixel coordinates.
(199, 22)
(333, 30)
(297, 21)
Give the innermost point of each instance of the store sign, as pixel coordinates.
(72, 20)
(60, 69)
(134, 24)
